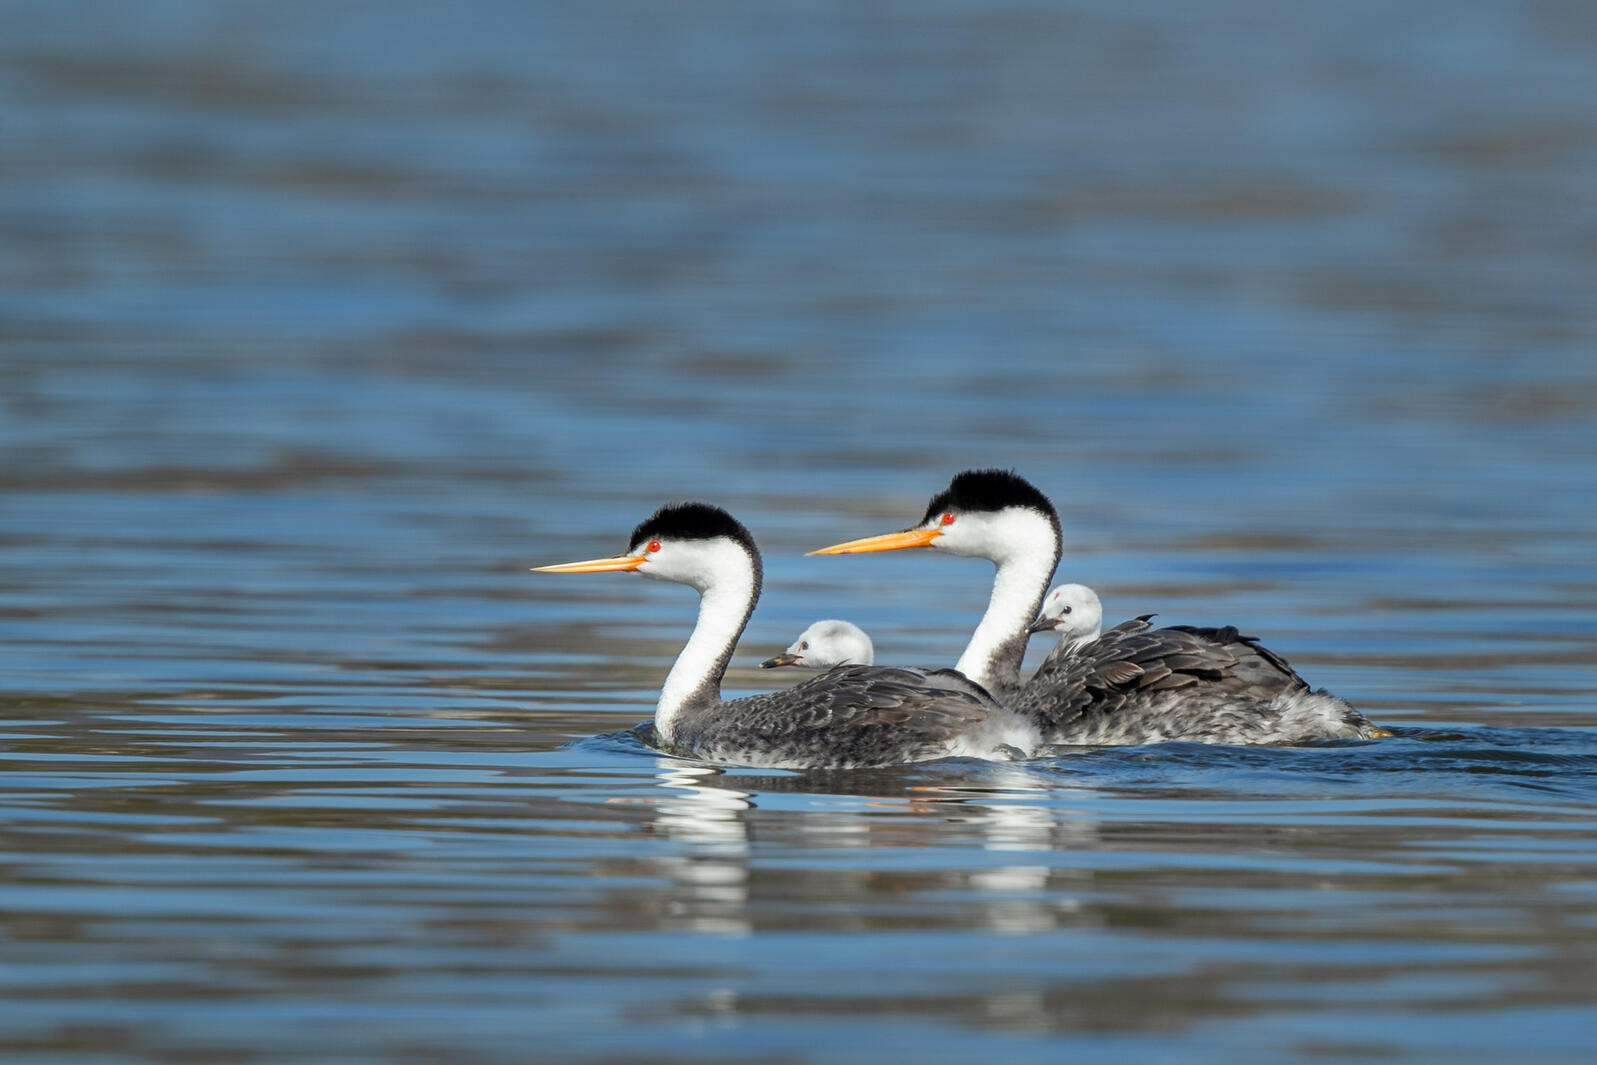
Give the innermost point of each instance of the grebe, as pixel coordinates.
(852, 716)
(1074, 613)
(1134, 684)
(998, 516)
(826, 644)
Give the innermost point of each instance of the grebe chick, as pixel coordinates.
(826, 644)
(1072, 612)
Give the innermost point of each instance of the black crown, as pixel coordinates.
(690, 521)
(989, 490)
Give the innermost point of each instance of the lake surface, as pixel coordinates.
(320, 324)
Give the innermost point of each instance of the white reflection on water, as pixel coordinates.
(710, 881)
(1008, 826)
(702, 811)
(1011, 813)
(1027, 897)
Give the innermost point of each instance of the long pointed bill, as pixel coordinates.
(783, 659)
(885, 542)
(595, 565)
(1041, 625)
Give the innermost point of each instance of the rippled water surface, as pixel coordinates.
(320, 324)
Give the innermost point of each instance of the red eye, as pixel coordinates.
(654, 545)
(948, 519)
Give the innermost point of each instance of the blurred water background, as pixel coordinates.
(320, 323)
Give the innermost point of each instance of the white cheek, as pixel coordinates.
(664, 566)
(956, 538)
(971, 535)
(699, 563)
(670, 563)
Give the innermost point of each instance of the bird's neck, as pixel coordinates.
(1071, 644)
(993, 656)
(694, 682)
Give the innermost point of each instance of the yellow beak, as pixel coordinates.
(885, 542)
(595, 565)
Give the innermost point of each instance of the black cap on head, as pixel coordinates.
(691, 521)
(990, 490)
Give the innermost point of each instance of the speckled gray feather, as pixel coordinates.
(848, 717)
(1139, 684)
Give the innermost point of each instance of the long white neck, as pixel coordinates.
(726, 599)
(993, 656)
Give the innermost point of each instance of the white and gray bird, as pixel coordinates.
(852, 716)
(827, 643)
(1134, 683)
(1073, 613)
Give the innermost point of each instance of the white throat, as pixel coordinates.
(1025, 557)
(727, 593)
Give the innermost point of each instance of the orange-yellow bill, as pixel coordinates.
(885, 542)
(594, 565)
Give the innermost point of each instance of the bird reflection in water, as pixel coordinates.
(709, 811)
(710, 877)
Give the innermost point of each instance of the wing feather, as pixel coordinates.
(848, 716)
(1133, 657)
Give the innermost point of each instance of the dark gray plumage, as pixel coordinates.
(1140, 684)
(849, 717)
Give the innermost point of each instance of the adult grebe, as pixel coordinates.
(998, 516)
(852, 716)
(826, 644)
(1135, 683)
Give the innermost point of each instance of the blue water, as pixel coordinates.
(320, 324)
